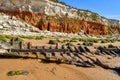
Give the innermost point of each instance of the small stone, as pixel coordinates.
(39, 60)
(1, 27)
(1, 21)
(24, 72)
(13, 18)
(5, 25)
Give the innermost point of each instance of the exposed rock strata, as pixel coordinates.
(59, 24)
(56, 9)
(52, 9)
(13, 26)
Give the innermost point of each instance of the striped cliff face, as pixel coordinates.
(68, 20)
(52, 9)
(59, 24)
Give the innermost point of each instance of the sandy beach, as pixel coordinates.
(51, 71)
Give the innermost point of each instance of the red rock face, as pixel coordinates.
(95, 28)
(58, 24)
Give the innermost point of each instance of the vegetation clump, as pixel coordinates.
(8, 36)
(32, 37)
(39, 37)
(88, 43)
(5, 37)
(58, 1)
(94, 16)
(27, 37)
(74, 40)
(2, 38)
(89, 40)
(65, 41)
(19, 72)
(108, 40)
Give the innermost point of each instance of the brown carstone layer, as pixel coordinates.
(59, 24)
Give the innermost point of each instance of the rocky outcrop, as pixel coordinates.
(59, 24)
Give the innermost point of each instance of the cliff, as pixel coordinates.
(51, 16)
(59, 24)
(52, 9)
